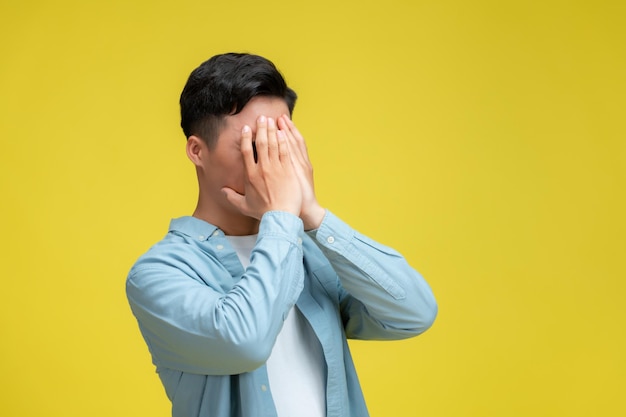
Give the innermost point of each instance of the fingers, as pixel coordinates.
(271, 144)
(283, 146)
(261, 140)
(272, 141)
(234, 198)
(247, 149)
(294, 138)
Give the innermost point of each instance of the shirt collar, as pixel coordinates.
(194, 227)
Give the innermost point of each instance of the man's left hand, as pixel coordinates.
(311, 212)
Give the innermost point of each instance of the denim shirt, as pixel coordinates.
(210, 325)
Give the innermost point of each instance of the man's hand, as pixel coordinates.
(271, 183)
(311, 212)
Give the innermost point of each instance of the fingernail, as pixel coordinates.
(246, 129)
(270, 122)
(261, 119)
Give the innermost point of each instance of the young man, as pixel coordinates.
(246, 305)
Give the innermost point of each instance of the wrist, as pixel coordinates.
(313, 217)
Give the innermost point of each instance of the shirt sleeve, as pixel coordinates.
(381, 295)
(194, 327)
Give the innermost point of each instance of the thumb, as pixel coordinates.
(234, 198)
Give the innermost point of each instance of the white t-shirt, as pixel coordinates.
(296, 366)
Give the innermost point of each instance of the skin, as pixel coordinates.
(234, 190)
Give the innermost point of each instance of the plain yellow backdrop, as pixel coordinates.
(485, 140)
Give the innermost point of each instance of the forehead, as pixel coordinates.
(258, 106)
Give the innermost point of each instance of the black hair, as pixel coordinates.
(222, 86)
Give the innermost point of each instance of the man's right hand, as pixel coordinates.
(271, 182)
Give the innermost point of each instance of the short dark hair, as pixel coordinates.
(222, 86)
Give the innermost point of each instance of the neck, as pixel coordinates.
(228, 219)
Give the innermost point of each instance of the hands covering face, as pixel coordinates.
(281, 178)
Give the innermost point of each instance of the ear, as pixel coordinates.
(196, 150)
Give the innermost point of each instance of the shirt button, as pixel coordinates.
(219, 247)
(201, 237)
(216, 233)
(330, 239)
(263, 387)
(299, 241)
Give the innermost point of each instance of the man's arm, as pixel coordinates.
(195, 319)
(382, 297)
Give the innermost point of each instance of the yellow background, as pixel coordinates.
(485, 140)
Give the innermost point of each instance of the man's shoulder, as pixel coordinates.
(176, 250)
(184, 235)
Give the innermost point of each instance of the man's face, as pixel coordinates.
(224, 167)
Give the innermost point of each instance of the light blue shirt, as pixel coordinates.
(210, 325)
